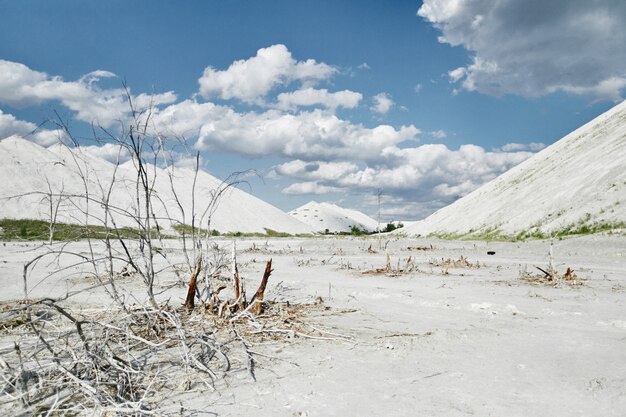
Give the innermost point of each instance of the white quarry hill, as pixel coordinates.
(322, 216)
(30, 171)
(578, 182)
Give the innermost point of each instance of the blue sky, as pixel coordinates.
(329, 100)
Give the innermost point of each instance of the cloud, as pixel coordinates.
(303, 188)
(173, 156)
(189, 162)
(184, 119)
(47, 137)
(10, 126)
(20, 86)
(144, 101)
(108, 151)
(307, 135)
(315, 134)
(252, 79)
(609, 89)
(534, 48)
(408, 210)
(438, 134)
(456, 74)
(515, 147)
(418, 87)
(324, 153)
(327, 171)
(397, 207)
(432, 175)
(312, 97)
(382, 103)
(364, 66)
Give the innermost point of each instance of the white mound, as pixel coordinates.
(30, 174)
(322, 216)
(579, 181)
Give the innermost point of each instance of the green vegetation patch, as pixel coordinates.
(534, 233)
(492, 233)
(391, 227)
(188, 230)
(268, 233)
(11, 229)
(590, 228)
(26, 229)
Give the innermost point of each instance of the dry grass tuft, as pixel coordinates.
(552, 278)
(446, 264)
(421, 248)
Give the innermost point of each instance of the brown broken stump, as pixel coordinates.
(236, 283)
(215, 299)
(193, 285)
(549, 275)
(258, 296)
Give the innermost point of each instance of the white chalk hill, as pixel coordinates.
(322, 216)
(34, 173)
(578, 183)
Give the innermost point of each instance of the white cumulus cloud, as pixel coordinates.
(439, 134)
(320, 170)
(382, 103)
(22, 86)
(515, 147)
(318, 97)
(252, 79)
(9, 126)
(108, 151)
(429, 175)
(306, 135)
(315, 134)
(303, 188)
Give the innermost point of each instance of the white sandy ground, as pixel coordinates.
(580, 179)
(322, 216)
(475, 342)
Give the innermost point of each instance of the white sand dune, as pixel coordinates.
(33, 172)
(322, 216)
(579, 180)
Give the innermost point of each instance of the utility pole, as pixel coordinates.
(379, 193)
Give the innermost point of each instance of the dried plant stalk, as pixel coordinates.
(193, 284)
(258, 297)
(235, 272)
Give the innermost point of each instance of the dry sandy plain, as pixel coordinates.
(432, 341)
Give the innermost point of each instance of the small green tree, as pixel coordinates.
(356, 231)
(391, 227)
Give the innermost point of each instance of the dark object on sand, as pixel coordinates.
(491, 252)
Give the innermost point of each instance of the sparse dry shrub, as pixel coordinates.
(446, 264)
(551, 278)
(401, 267)
(58, 358)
